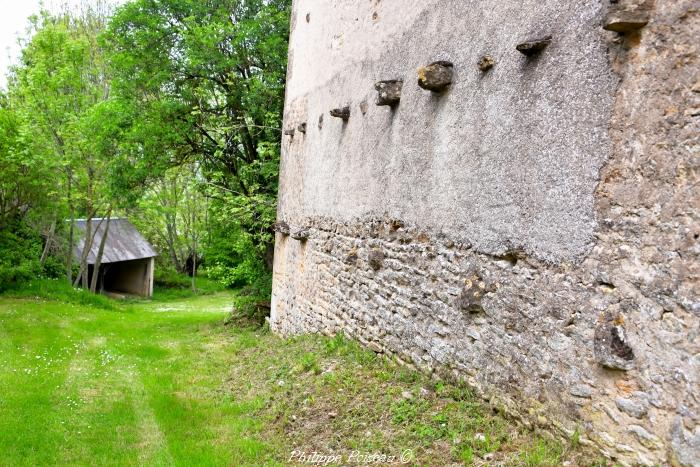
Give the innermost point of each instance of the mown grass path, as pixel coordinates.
(83, 385)
(166, 383)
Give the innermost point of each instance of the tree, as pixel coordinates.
(25, 175)
(174, 106)
(208, 78)
(26, 189)
(60, 93)
(173, 214)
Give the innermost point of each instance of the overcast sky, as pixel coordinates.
(13, 24)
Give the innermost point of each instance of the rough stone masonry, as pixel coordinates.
(528, 222)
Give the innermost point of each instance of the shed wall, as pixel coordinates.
(132, 277)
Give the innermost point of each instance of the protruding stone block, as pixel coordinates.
(473, 292)
(343, 112)
(302, 128)
(533, 47)
(610, 345)
(281, 227)
(388, 91)
(289, 132)
(375, 258)
(436, 77)
(625, 21)
(300, 234)
(486, 63)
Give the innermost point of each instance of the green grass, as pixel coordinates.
(166, 383)
(168, 286)
(60, 290)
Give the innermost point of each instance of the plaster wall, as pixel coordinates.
(533, 229)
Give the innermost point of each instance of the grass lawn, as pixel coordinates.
(166, 383)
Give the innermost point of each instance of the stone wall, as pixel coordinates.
(532, 229)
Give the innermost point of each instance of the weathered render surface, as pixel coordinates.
(532, 229)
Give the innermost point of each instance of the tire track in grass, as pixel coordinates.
(154, 446)
(100, 424)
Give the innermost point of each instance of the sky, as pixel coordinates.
(13, 24)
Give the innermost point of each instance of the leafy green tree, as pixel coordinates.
(208, 79)
(60, 96)
(173, 106)
(26, 184)
(26, 192)
(173, 214)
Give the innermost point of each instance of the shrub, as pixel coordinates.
(20, 250)
(169, 284)
(171, 279)
(234, 261)
(53, 268)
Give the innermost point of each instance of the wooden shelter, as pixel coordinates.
(127, 260)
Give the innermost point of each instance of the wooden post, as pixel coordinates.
(148, 279)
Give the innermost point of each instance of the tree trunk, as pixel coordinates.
(269, 256)
(71, 230)
(87, 246)
(88, 228)
(170, 228)
(84, 267)
(100, 252)
(194, 254)
(49, 241)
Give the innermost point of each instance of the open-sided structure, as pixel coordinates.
(127, 260)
